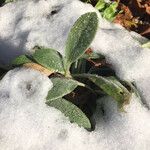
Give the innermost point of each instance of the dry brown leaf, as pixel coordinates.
(125, 18)
(135, 16)
(39, 68)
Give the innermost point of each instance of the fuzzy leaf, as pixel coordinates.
(80, 37)
(113, 88)
(20, 60)
(61, 87)
(71, 111)
(50, 59)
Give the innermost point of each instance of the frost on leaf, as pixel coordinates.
(80, 37)
(50, 59)
(113, 88)
(61, 87)
(20, 60)
(71, 111)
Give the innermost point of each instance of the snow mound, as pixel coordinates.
(27, 123)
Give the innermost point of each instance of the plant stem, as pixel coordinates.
(67, 74)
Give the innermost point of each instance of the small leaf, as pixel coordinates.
(113, 88)
(20, 60)
(132, 88)
(50, 59)
(110, 12)
(71, 111)
(100, 5)
(61, 87)
(80, 38)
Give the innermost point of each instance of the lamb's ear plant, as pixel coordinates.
(81, 76)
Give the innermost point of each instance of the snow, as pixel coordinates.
(129, 59)
(27, 123)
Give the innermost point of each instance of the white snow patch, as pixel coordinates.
(27, 123)
(128, 58)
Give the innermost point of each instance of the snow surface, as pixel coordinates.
(27, 123)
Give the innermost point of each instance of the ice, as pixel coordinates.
(27, 123)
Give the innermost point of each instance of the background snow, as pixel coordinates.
(26, 122)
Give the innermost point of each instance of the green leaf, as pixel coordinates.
(20, 60)
(132, 88)
(50, 59)
(71, 111)
(80, 38)
(113, 88)
(110, 12)
(100, 5)
(61, 87)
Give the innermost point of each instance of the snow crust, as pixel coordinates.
(26, 123)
